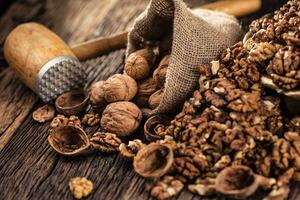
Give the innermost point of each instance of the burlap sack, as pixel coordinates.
(198, 37)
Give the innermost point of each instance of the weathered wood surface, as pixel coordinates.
(29, 169)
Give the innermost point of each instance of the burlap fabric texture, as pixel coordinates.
(198, 37)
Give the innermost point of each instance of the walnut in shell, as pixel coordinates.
(159, 74)
(71, 103)
(119, 87)
(139, 63)
(69, 140)
(153, 160)
(97, 99)
(145, 89)
(121, 118)
(155, 98)
(153, 126)
(43, 114)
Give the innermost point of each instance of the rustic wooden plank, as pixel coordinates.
(28, 166)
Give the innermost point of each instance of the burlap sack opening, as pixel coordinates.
(198, 37)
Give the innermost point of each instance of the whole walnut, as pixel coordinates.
(145, 89)
(97, 99)
(159, 74)
(155, 98)
(119, 87)
(138, 64)
(121, 118)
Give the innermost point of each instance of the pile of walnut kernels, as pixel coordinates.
(231, 120)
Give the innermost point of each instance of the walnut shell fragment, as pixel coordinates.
(130, 150)
(119, 87)
(155, 98)
(71, 103)
(69, 140)
(154, 160)
(43, 114)
(139, 63)
(121, 118)
(237, 182)
(154, 127)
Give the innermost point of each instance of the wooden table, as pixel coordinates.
(29, 168)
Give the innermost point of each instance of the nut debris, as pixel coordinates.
(43, 114)
(105, 142)
(80, 187)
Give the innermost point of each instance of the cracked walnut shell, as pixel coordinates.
(121, 118)
(138, 64)
(43, 114)
(69, 140)
(154, 160)
(80, 187)
(119, 87)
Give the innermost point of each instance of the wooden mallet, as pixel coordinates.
(47, 65)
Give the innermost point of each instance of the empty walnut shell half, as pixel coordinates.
(238, 182)
(72, 103)
(153, 160)
(69, 140)
(154, 125)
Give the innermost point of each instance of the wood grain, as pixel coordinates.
(29, 169)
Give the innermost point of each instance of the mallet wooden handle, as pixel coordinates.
(103, 45)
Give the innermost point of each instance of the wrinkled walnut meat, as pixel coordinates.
(139, 63)
(121, 118)
(69, 140)
(61, 120)
(91, 119)
(203, 187)
(166, 188)
(130, 150)
(43, 114)
(154, 160)
(105, 142)
(80, 187)
(119, 87)
(71, 103)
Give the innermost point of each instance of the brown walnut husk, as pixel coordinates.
(97, 99)
(121, 118)
(138, 64)
(155, 126)
(71, 103)
(237, 182)
(69, 140)
(154, 160)
(119, 87)
(145, 89)
(159, 74)
(44, 113)
(155, 98)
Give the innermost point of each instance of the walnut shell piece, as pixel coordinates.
(154, 127)
(80, 187)
(69, 140)
(155, 99)
(138, 64)
(71, 103)
(159, 74)
(154, 160)
(105, 142)
(119, 87)
(121, 118)
(43, 114)
(237, 182)
(97, 99)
